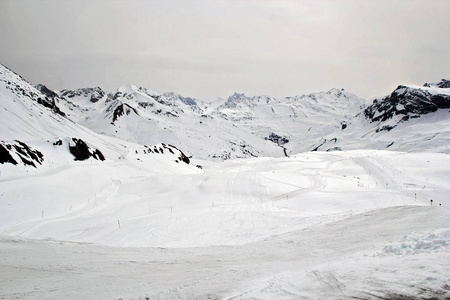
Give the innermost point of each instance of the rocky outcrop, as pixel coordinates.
(46, 91)
(275, 138)
(12, 152)
(119, 109)
(93, 94)
(23, 89)
(81, 151)
(443, 84)
(407, 102)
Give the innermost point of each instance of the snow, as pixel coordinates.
(432, 90)
(413, 244)
(314, 225)
(217, 131)
(144, 224)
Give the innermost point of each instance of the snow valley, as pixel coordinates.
(134, 194)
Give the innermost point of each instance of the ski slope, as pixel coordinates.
(316, 225)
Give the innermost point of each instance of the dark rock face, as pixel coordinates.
(94, 94)
(407, 102)
(81, 151)
(46, 91)
(5, 157)
(58, 143)
(97, 94)
(279, 140)
(27, 155)
(51, 105)
(118, 112)
(182, 156)
(49, 100)
(119, 109)
(443, 84)
(165, 147)
(22, 89)
(98, 155)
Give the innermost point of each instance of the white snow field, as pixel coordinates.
(318, 225)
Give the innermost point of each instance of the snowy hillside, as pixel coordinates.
(258, 126)
(122, 211)
(295, 123)
(411, 118)
(318, 225)
(240, 127)
(35, 132)
(139, 115)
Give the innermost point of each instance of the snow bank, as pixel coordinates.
(414, 243)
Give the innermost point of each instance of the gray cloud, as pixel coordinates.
(209, 49)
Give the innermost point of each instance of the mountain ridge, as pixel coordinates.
(36, 133)
(248, 126)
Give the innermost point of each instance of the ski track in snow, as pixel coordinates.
(382, 177)
(101, 199)
(311, 226)
(289, 266)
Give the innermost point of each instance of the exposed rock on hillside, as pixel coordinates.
(407, 102)
(81, 151)
(12, 152)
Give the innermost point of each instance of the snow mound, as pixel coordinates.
(438, 241)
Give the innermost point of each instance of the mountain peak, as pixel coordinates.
(443, 84)
(172, 96)
(91, 94)
(133, 89)
(407, 102)
(240, 98)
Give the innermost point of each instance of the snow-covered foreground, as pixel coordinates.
(314, 226)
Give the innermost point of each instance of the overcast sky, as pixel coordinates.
(210, 49)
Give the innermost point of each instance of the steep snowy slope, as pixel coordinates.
(139, 115)
(240, 127)
(36, 134)
(295, 123)
(315, 225)
(411, 118)
(243, 126)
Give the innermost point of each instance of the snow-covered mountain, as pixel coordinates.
(243, 126)
(240, 127)
(35, 132)
(297, 122)
(139, 115)
(411, 118)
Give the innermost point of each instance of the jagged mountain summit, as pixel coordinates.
(411, 118)
(247, 126)
(240, 127)
(139, 115)
(36, 133)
